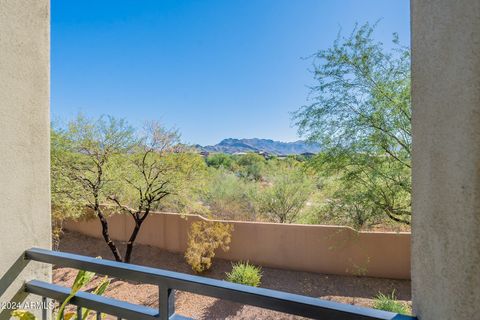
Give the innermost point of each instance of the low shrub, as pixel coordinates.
(390, 303)
(245, 273)
(204, 238)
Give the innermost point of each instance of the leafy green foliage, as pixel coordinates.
(390, 303)
(188, 181)
(154, 170)
(228, 196)
(285, 196)
(360, 114)
(103, 161)
(245, 273)
(221, 160)
(99, 290)
(64, 192)
(251, 166)
(23, 315)
(204, 238)
(83, 278)
(87, 158)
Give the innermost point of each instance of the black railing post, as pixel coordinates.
(44, 308)
(166, 303)
(79, 313)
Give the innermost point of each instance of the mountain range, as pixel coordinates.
(231, 146)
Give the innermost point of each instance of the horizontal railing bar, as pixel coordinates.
(91, 301)
(260, 297)
(179, 317)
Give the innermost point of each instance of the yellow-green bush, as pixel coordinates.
(203, 239)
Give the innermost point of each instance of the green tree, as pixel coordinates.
(286, 196)
(361, 113)
(251, 166)
(95, 162)
(146, 176)
(221, 160)
(87, 159)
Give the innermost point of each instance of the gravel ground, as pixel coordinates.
(352, 290)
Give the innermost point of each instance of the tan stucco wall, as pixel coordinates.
(446, 159)
(24, 138)
(314, 248)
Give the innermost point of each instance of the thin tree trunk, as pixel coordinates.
(106, 236)
(133, 236)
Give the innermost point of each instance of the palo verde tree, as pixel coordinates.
(105, 161)
(89, 152)
(360, 112)
(146, 176)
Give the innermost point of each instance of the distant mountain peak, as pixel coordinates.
(233, 145)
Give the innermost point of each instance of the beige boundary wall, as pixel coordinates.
(313, 248)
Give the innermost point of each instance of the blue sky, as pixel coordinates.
(212, 69)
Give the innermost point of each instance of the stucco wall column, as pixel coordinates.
(24, 141)
(446, 159)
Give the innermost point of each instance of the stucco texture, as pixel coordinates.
(446, 159)
(312, 248)
(24, 140)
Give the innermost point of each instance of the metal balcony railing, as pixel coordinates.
(168, 281)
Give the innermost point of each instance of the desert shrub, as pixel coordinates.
(286, 195)
(228, 196)
(251, 166)
(220, 160)
(204, 238)
(245, 273)
(389, 303)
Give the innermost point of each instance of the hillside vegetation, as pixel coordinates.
(359, 113)
(102, 161)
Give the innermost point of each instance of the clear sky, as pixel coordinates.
(212, 69)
